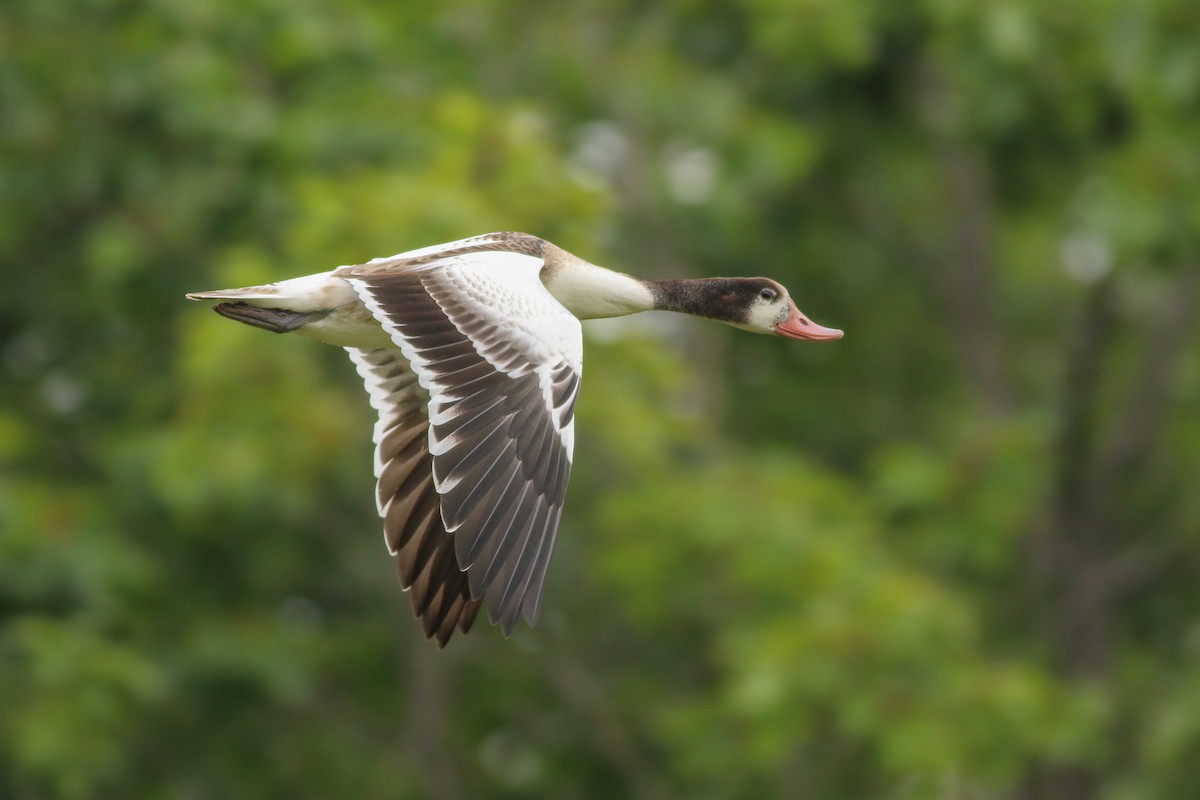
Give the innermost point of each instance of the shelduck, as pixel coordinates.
(472, 353)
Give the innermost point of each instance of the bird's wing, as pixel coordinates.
(407, 500)
(501, 361)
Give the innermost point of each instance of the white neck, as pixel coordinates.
(591, 292)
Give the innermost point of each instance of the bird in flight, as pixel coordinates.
(472, 354)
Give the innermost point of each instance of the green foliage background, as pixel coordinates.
(953, 556)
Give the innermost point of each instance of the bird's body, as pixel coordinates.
(472, 354)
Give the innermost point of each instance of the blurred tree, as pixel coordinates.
(952, 556)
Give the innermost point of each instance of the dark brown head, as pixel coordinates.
(759, 305)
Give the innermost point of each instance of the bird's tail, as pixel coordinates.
(319, 292)
(268, 292)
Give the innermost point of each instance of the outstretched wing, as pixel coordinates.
(501, 360)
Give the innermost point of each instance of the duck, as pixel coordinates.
(472, 354)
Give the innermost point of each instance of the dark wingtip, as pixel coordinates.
(439, 624)
(442, 637)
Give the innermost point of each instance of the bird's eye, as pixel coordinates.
(768, 294)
